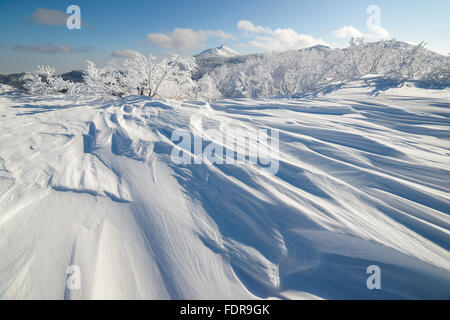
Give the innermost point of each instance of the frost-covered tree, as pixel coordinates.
(287, 74)
(378, 52)
(101, 80)
(306, 71)
(438, 75)
(408, 60)
(44, 81)
(277, 74)
(137, 74)
(355, 56)
(206, 88)
(172, 78)
(167, 78)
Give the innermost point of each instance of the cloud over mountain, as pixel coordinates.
(185, 39)
(347, 32)
(279, 39)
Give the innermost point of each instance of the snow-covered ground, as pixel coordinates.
(364, 179)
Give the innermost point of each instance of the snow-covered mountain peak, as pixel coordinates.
(222, 51)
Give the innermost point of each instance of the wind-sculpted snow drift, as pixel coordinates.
(363, 180)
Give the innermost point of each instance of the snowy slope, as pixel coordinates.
(364, 179)
(221, 51)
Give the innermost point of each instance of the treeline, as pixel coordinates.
(273, 74)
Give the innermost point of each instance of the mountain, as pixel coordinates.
(318, 47)
(15, 79)
(213, 58)
(222, 51)
(74, 76)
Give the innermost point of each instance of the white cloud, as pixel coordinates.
(379, 32)
(278, 39)
(185, 39)
(51, 49)
(127, 53)
(347, 32)
(49, 17)
(249, 27)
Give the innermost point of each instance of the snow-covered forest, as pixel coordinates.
(275, 74)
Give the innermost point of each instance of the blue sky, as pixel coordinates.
(32, 34)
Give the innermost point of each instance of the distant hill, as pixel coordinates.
(222, 51)
(74, 76)
(318, 47)
(213, 58)
(15, 79)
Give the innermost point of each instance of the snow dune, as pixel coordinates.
(364, 178)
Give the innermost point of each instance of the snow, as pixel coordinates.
(363, 180)
(222, 51)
